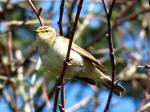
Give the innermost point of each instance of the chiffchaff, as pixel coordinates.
(53, 50)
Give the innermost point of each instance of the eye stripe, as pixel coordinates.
(45, 29)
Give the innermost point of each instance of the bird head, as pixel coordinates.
(46, 32)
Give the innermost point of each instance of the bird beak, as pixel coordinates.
(36, 31)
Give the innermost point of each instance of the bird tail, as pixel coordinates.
(102, 79)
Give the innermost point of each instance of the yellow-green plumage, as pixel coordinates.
(53, 50)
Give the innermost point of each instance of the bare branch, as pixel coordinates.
(111, 49)
(60, 17)
(67, 60)
(36, 12)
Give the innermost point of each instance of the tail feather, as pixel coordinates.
(118, 89)
(102, 79)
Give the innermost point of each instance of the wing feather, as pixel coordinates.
(86, 54)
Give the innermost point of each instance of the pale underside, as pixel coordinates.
(53, 58)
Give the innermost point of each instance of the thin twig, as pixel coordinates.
(62, 34)
(63, 96)
(147, 93)
(67, 60)
(61, 108)
(4, 11)
(62, 81)
(36, 12)
(39, 109)
(73, 30)
(112, 56)
(60, 17)
(9, 44)
(14, 97)
(70, 15)
(81, 104)
(145, 102)
(24, 22)
(144, 107)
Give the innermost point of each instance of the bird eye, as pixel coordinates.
(46, 30)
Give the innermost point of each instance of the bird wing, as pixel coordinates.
(86, 54)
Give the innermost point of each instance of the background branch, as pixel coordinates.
(111, 49)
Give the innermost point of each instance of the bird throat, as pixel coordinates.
(49, 41)
(46, 43)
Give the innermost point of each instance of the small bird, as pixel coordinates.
(53, 49)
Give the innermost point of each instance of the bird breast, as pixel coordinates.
(53, 56)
